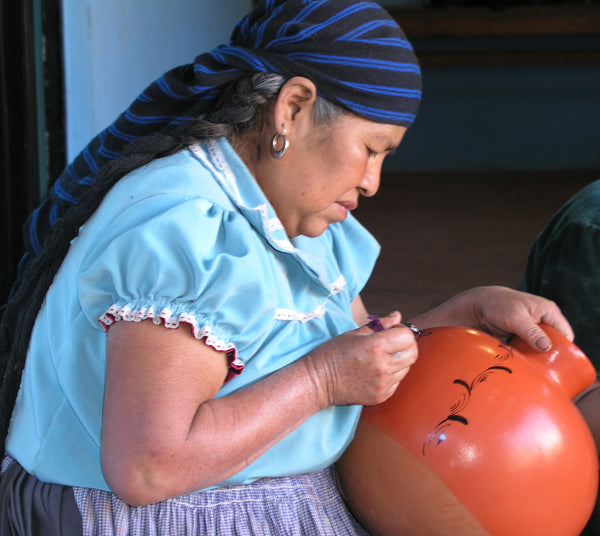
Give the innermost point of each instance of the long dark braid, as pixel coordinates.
(242, 106)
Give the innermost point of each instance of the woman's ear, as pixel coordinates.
(295, 102)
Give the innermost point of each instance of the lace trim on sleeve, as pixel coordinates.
(171, 320)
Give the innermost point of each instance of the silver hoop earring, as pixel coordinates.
(278, 153)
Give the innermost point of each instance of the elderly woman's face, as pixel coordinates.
(325, 171)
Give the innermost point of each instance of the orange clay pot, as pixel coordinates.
(481, 438)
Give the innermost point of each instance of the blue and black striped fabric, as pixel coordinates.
(353, 51)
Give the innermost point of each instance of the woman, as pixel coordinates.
(230, 220)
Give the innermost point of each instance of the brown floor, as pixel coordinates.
(443, 233)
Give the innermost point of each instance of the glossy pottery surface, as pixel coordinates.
(481, 438)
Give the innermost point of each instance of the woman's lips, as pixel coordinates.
(345, 207)
(348, 205)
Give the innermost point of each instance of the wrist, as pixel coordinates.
(463, 309)
(318, 378)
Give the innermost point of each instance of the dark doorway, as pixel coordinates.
(31, 118)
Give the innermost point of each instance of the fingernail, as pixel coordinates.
(394, 313)
(543, 344)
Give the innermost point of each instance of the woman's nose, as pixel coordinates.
(370, 182)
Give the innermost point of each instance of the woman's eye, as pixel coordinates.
(371, 153)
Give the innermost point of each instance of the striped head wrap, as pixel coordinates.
(353, 51)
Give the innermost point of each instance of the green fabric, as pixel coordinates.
(564, 266)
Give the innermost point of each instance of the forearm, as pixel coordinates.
(502, 312)
(235, 430)
(164, 432)
(217, 440)
(457, 311)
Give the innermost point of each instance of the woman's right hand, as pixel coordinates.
(361, 366)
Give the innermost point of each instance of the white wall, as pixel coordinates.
(114, 48)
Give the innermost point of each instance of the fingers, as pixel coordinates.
(532, 328)
(554, 318)
(377, 324)
(536, 338)
(365, 366)
(400, 365)
(398, 342)
(400, 351)
(407, 357)
(503, 312)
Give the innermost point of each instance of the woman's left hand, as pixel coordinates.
(502, 312)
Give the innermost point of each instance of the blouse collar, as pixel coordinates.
(243, 190)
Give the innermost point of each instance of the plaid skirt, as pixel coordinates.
(301, 505)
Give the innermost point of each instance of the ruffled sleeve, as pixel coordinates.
(176, 265)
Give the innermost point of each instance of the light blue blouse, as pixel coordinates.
(189, 238)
